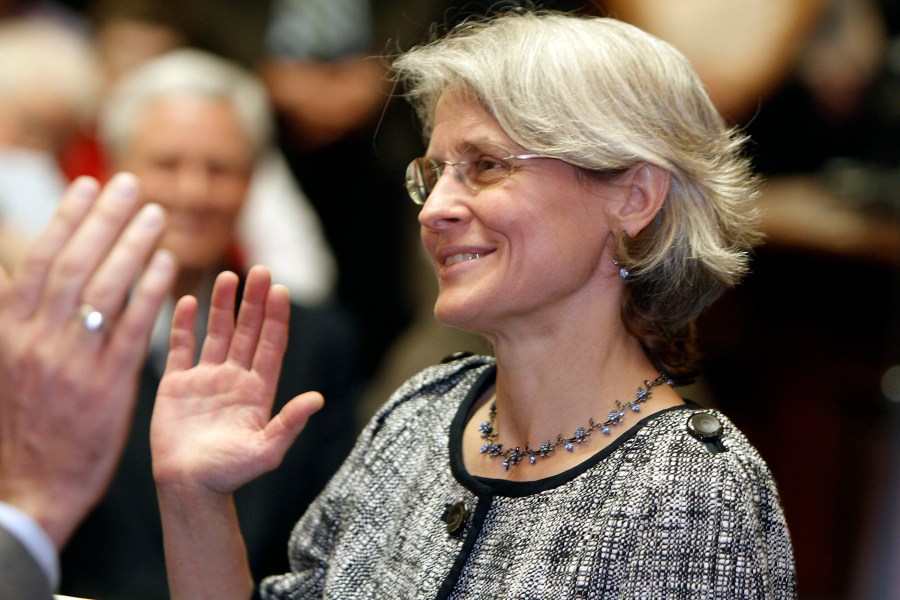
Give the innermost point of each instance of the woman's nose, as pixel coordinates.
(447, 202)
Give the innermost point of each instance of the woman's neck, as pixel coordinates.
(551, 385)
(550, 389)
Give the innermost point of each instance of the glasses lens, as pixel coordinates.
(485, 166)
(479, 167)
(416, 184)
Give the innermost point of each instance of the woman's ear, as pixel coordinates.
(645, 188)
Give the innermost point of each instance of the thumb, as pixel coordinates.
(284, 427)
(296, 413)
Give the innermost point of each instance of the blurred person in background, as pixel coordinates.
(278, 227)
(49, 84)
(329, 93)
(191, 127)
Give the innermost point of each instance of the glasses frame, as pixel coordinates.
(415, 173)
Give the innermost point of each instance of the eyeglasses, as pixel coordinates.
(480, 168)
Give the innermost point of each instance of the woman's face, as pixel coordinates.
(524, 253)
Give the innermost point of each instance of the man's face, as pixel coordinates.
(193, 158)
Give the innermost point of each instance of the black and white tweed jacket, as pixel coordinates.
(657, 514)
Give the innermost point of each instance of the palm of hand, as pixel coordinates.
(209, 425)
(212, 427)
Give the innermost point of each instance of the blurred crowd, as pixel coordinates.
(310, 184)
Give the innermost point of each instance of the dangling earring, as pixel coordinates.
(623, 271)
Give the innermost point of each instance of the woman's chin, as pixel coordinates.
(459, 315)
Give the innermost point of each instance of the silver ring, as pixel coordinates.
(91, 318)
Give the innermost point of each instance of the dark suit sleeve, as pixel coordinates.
(21, 578)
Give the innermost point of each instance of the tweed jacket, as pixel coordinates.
(657, 514)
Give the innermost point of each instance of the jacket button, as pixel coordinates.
(704, 426)
(456, 517)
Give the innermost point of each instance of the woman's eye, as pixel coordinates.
(489, 163)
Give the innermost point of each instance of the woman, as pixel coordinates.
(582, 203)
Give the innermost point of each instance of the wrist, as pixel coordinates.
(41, 502)
(188, 497)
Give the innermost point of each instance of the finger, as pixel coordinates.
(182, 343)
(89, 244)
(273, 338)
(220, 327)
(32, 275)
(250, 317)
(283, 428)
(131, 334)
(108, 287)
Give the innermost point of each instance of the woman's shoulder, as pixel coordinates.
(703, 442)
(439, 388)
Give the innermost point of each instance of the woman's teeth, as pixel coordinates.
(452, 260)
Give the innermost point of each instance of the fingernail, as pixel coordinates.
(85, 188)
(125, 185)
(163, 261)
(151, 216)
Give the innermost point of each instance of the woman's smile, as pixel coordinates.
(457, 258)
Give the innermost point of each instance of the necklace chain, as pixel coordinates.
(512, 457)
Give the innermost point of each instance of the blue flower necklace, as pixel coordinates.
(512, 457)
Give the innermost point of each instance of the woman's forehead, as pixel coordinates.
(461, 122)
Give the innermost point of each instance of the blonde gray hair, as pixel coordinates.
(192, 72)
(41, 57)
(605, 96)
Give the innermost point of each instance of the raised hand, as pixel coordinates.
(212, 426)
(213, 430)
(74, 330)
